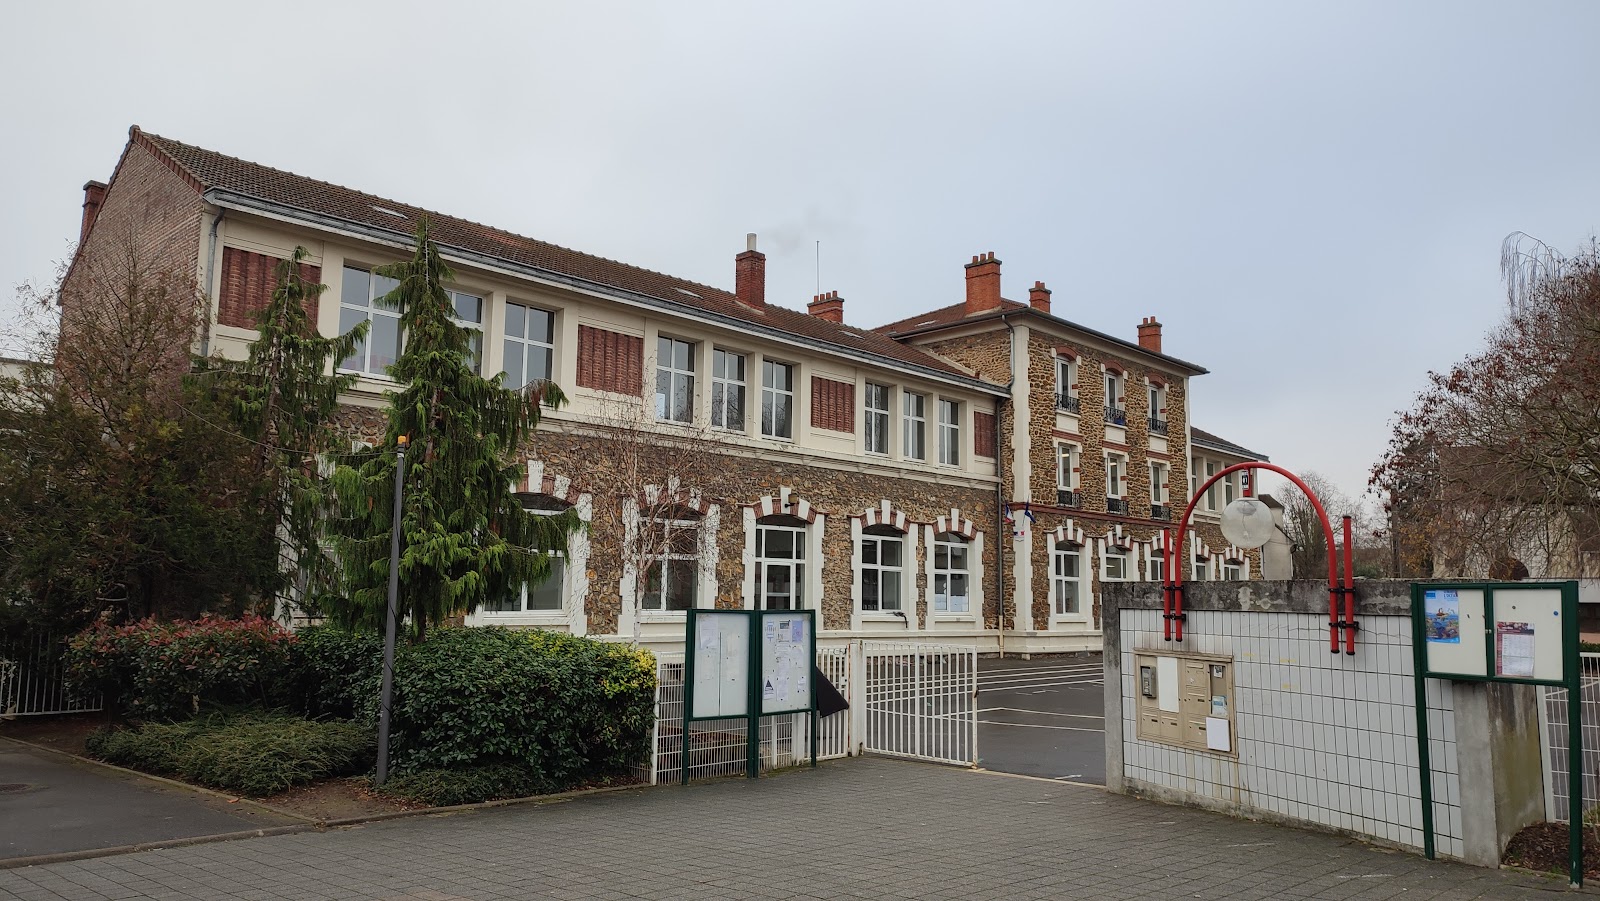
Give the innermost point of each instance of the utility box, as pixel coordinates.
(1187, 700)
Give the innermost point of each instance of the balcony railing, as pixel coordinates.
(1117, 505)
(1116, 416)
(1160, 511)
(1065, 498)
(1067, 403)
(1158, 426)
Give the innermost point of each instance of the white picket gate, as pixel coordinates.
(920, 701)
(906, 700)
(33, 680)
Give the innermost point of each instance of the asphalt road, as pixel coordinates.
(1043, 717)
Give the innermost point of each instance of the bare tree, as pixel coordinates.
(1309, 546)
(654, 484)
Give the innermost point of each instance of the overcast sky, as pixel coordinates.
(1311, 198)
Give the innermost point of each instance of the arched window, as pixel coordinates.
(548, 595)
(780, 563)
(951, 568)
(671, 558)
(1066, 579)
(882, 568)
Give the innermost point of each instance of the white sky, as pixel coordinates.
(1311, 198)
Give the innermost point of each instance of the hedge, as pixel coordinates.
(337, 673)
(168, 671)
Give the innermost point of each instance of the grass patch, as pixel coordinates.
(254, 753)
(469, 784)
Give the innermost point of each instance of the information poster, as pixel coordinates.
(785, 662)
(1514, 649)
(1443, 613)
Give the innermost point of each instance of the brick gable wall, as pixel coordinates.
(833, 405)
(248, 280)
(610, 361)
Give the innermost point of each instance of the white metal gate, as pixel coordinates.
(33, 680)
(920, 701)
(1553, 720)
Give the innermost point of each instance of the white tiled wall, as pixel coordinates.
(1324, 738)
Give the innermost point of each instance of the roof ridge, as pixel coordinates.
(422, 210)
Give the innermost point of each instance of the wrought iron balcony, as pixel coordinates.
(1160, 511)
(1067, 402)
(1158, 426)
(1065, 498)
(1116, 416)
(1117, 505)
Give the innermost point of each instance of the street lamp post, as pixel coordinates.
(391, 616)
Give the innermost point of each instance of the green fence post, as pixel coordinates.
(1419, 655)
(1572, 664)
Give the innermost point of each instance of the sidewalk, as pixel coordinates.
(870, 828)
(65, 805)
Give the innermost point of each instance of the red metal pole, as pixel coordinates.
(1349, 595)
(1166, 584)
(1177, 602)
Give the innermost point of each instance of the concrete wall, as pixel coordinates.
(1323, 739)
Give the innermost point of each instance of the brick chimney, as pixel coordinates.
(94, 194)
(829, 306)
(983, 284)
(750, 274)
(1039, 297)
(1150, 334)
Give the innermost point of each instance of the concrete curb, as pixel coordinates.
(306, 824)
(1047, 781)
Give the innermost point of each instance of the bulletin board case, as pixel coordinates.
(746, 664)
(1518, 632)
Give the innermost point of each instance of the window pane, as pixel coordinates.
(541, 326)
(357, 287)
(538, 363)
(382, 285)
(469, 309)
(869, 589)
(735, 408)
(681, 576)
(681, 359)
(513, 367)
(958, 593)
(385, 338)
(869, 551)
(684, 540)
(663, 391)
(891, 591)
(778, 587)
(891, 551)
(941, 555)
(511, 603)
(779, 544)
(683, 398)
(547, 594)
(515, 319)
(717, 406)
(349, 319)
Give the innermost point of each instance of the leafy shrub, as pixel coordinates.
(252, 753)
(153, 670)
(337, 672)
(489, 781)
(564, 707)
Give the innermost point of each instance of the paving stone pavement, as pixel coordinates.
(869, 828)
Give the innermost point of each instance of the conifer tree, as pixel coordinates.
(286, 396)
(465, 538)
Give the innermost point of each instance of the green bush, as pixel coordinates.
(253, 753)
(337, 672)
(168, 671)
(567, 709)
(490, 781)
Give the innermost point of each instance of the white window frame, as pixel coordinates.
(1059, 551)
(771, 394)
(1066, 376)
(947, 542)
(1069, 462)
(1158, 402)
(475, 354)
(522, 343)
(876, 420)
(1154, 566)
(1201, 570)
(674, 374)
(1237, 574)
(1160, 473)
(1116, 475)
(1230, 489)
(1109, 551)
(372, 309)
(914, 417)
(727, 384)
(884, 572)
(797, 565)
(658, 563)
(950, 412)
(1116, 392)
(1211, 468)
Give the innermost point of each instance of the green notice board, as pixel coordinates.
(748, 664)
(1518, 632)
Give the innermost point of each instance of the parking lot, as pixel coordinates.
(1043, 717)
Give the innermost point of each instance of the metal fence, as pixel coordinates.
(33, 680)
(921, 701)
(1553, 720)
(717, 747)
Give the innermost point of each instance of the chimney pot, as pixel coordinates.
(94, 194)
(1039, 297)
(750, 275)
(1150, 334)
(983, 284)
(829, 306)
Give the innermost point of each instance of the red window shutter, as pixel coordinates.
(248, 280)
(610, 361)
(833, 405)
(983, 437)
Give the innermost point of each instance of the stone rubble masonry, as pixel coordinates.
(248, 280)
(838, 494)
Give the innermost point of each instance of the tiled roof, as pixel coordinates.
(1203, 438)
(955, 314)
(285, 189)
